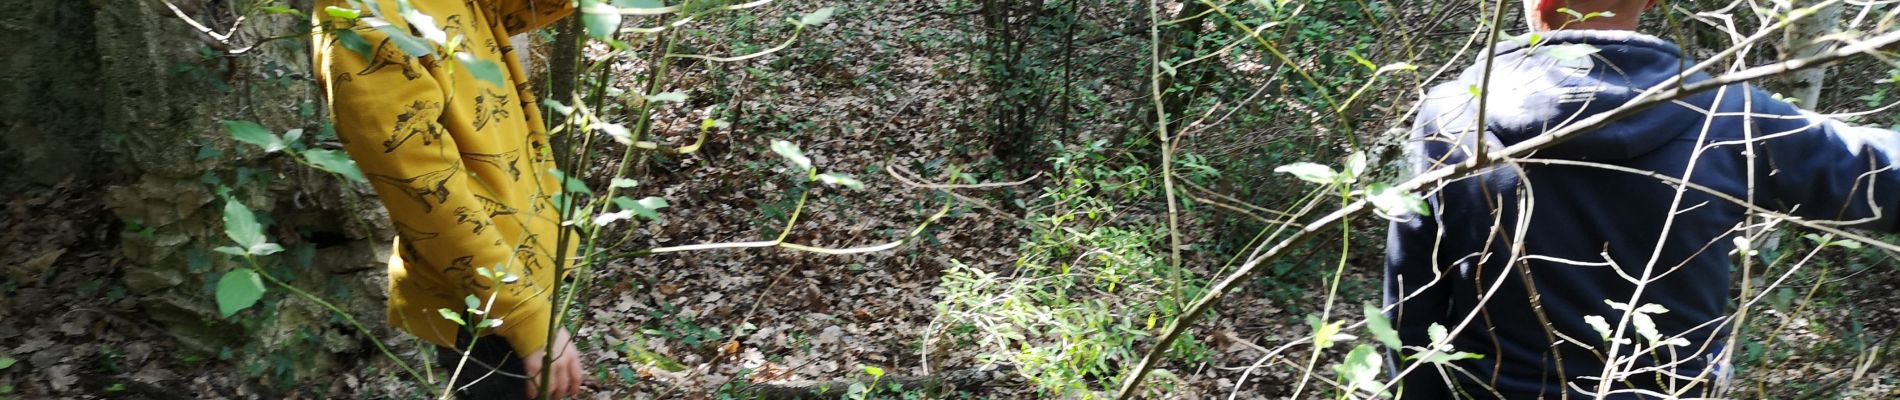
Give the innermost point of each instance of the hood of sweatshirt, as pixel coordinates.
(1540, 83)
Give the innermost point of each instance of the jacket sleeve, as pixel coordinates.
(523, 16)
(1821, 168)
(1418, 287)
(387, 109)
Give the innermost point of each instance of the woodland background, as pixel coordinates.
(1046, 279)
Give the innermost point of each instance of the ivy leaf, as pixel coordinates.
(791, 153)
(251, 132)
(817, 17)
(237, 290)
(334, 161)
(1310, 172)
(1382, 328)
(485, 70)
(837, 179)
(602, 20)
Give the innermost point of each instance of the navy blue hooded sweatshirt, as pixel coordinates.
(1563, 229)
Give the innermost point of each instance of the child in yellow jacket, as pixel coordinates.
(461, 163)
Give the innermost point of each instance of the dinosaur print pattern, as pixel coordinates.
(464, 215)
(427, 189)
(504, 161)
(489, 106)
(411, 235)
(387, 54)
(419, 119)
(464, 268)
(495, 208)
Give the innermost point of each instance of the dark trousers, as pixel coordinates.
(493, 370)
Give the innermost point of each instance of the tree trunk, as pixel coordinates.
(1801, 41)
(128, 98)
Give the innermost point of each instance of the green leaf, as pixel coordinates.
(674, 97)
(409, 44)
(421, 23)
(1310, 172)
(1382, 328)
(817, 17)
(7, 362)
(334, 161)
(874, 371)
(618, 132)
(557, 107)
(1324, 334)
(241, 225)
(237, 290)
(638, 4)
(484, 70)
(1395, 202)
(474, 303)
(451, 316)
(1436, 333)
(837, 179)
(1599, 324)
(343, 13)
(1571, 51)
(623, 183)
(1443, 358)
(1402, 66)
(1362, 61)
(602, 20)
(1361, 369)
(791, 153)
(1355, 166)
(251, 132)
(570, 184)
(648, 207)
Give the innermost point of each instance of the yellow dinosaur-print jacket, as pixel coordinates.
(461, 164)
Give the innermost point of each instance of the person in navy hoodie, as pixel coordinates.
(1527, 264)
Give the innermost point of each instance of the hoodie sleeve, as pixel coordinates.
(1820, 168)
(1418, 288)
(387, 108)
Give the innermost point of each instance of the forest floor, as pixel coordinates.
(885, 88)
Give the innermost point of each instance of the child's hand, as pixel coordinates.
(564, 375)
